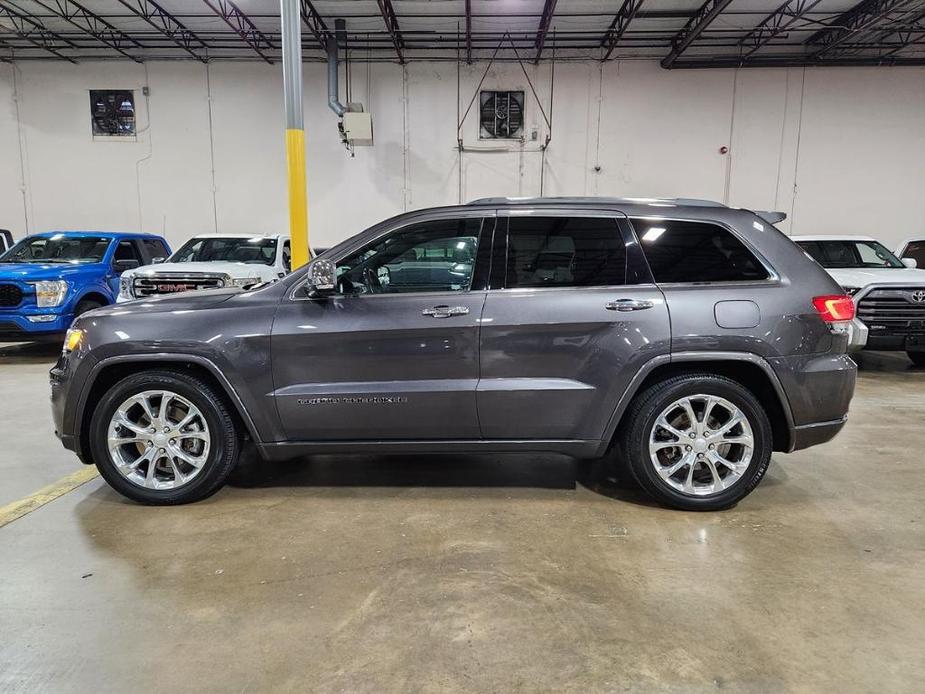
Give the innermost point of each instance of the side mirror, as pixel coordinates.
(159, 259)
(910, 263)
(321, 277)
(121, 266)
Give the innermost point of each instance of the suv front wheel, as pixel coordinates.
(697, 442)
(164, 437)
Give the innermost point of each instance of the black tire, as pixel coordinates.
(918, 358)
(634, 434)
(225, 444)
(85, 305)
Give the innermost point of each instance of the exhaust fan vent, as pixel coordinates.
(501, 115)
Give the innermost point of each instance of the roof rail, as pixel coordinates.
(692, 202)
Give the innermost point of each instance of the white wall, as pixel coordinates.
(839, 149)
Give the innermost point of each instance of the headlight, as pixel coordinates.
(851, 291)
(244, 281)
(125, 287)
(72, 339)
(51, 293)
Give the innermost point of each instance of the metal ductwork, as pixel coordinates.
(340, 30)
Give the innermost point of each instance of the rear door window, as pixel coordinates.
(155, 248)
(564, 252)
(690, 252)
(128, 250)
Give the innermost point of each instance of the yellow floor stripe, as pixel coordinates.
(45, 495)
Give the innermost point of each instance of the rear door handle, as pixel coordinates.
(629, 305)
(443, 311)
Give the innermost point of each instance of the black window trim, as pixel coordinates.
(773, 276)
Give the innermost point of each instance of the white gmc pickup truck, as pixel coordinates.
(211, 261)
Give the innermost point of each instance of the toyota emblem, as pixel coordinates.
(918, 296)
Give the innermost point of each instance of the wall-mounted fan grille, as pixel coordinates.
(112, 112)
(501, 115)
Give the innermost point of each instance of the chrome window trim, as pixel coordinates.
(463, 292)
(597, 287)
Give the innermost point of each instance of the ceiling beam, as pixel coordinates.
(883, 52)
(391, 23)
(619, 25)
(167, 24)
(241, 24)
(695, 26)
(469, 32)
(314, 22)
(910, 33)
(859, 18)
(725, 62)
(36, 33)
(93, 25)
(549, 9)
(776, 23)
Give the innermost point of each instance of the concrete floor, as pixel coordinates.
(514, 573)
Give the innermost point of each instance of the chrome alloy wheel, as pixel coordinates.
(701, 444)
(158, 440)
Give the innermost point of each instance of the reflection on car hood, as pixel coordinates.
(861, 277)
(184, 301)
(32, 272)
(237, 270)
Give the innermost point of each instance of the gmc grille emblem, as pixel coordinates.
(919, 296)
(175, 287)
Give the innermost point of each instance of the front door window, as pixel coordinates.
(434, 256)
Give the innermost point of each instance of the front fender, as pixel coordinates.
(75, 416)
(83, 289)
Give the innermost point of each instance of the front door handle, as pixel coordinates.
(443, 311)
(629, 305)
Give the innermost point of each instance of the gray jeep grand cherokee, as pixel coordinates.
(685, 339)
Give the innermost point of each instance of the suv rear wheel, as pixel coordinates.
(698, 442)
(164, 437)
(918, 358)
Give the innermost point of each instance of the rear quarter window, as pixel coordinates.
(685, 252)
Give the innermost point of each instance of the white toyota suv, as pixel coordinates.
(211, 261)
(889, 293)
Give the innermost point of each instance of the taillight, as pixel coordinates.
(834, 308)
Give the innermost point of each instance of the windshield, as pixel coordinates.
(257, 250)
(850, 254)
(59, 248)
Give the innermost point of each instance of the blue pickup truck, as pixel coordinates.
(47, 279)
